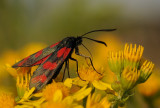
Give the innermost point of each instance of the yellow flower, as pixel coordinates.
(114, 43)
(129, 78)
(23, 70)
(58, 101)
(27, 95)
(23, 78)
(78, 81)
(101, 85)
(115, 61)
(95, 101)
(53, 105)
(89, 74)
(116, 85)
(145, 71)
(82, 93)
(6, 101)
(132, 55)
(17, 71)
(58, 96)
(10, 57)
(50, 90)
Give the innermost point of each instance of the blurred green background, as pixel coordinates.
(48, 21)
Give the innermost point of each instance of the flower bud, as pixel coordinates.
(132, 55)
(115, 62)
(111, 97)
(22, 81)
(129, 78)
(145, 71)
(116, 86)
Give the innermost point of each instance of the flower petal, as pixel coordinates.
(79, 82)
(101, 85)
(27, 94)
(68, 100)
(68, 82)
(58, 96)
(82, 93)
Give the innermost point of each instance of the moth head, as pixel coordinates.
(78, 40)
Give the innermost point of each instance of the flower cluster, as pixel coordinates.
(72, 93)
(130, 69)
(88, 90)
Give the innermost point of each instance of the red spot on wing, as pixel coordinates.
(24, 60)
(54, 44)
(35, 79)
(38, 53)
(37, 63)
(66, 52)
(42, 60)
(41, 78)
(49, 65)
(61, 52)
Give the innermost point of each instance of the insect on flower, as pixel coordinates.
(52, 58)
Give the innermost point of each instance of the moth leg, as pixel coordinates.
(64, 71)
(77, 53)
(68, 68)
(77, 67)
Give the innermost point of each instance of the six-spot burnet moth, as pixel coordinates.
(52, 58)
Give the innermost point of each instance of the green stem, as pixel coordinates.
(114, 105)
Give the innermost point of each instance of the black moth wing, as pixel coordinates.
(51, 67)
(38, 57)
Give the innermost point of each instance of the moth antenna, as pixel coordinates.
(88, 50)
(102, 30)
(96, 41)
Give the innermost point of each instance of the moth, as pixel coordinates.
(52, 58)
